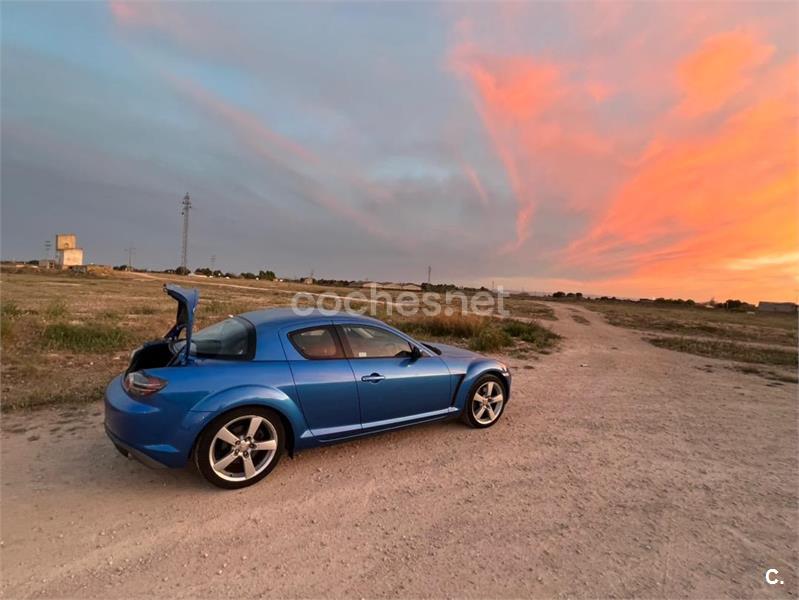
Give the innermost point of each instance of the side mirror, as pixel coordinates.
(415, 353)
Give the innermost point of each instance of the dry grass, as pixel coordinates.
(64, 336)
(520, 306)
(56, 309)
(729, 350)
(580, 319)
(767, 339)
(770, 374)
(702, 322)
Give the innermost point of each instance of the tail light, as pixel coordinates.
(139, 383)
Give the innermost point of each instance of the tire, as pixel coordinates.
(481, 414)
(228, 454)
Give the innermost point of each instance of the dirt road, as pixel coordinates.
(618, 470)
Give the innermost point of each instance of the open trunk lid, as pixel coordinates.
(187, 299)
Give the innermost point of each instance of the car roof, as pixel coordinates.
(280, 317)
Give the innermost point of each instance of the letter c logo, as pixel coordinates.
(773, 580)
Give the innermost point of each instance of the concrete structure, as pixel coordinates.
(67, 253)
(66, 241)
(777, 307)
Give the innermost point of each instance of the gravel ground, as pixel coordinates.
(619, 469)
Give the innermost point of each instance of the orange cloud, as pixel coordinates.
(541, 126)
(719, 70)
(695, 194)
(701, 206)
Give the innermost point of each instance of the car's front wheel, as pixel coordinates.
(240, 447)
(485, 403)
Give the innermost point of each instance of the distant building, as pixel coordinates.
(777, 307)
(308, 281)
(67, 253)
(387, 285)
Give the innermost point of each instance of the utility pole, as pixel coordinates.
(185, 248)
(213, 263)
(429, 273)
(48, 244)
(130, 250)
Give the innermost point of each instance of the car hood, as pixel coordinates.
(448, 351)
(460, 361)
(187, 299)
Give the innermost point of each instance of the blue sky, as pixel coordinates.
(517, 143)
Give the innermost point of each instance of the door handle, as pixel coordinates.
(373, 378)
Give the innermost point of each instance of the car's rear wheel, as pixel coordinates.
(485, 403)
(240, 447)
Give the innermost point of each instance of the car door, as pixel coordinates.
(394, 387)
(323, 379)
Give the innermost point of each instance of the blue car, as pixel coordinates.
(235, 396)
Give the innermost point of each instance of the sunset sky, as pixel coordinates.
(631, 149)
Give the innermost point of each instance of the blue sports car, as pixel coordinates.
(235, 396)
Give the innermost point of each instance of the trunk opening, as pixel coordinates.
(152, 355)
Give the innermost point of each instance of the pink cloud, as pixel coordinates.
(478, 187)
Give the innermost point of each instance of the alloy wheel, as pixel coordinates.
(487, 403)
(243, 448)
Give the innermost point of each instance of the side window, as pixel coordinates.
(317, 343)
(373, 342)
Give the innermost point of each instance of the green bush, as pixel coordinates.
(459, 326)
(483, 333)
(96, 337)
(56, 309)
(10, 309)
(490, 339)
(532, 333)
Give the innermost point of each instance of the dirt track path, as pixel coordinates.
(619, 470)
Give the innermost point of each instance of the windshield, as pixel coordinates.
(232, 338)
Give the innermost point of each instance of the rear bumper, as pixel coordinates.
(134, 453)
(152, 430)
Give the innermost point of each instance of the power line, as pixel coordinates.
(131, 251)
(185, 249)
